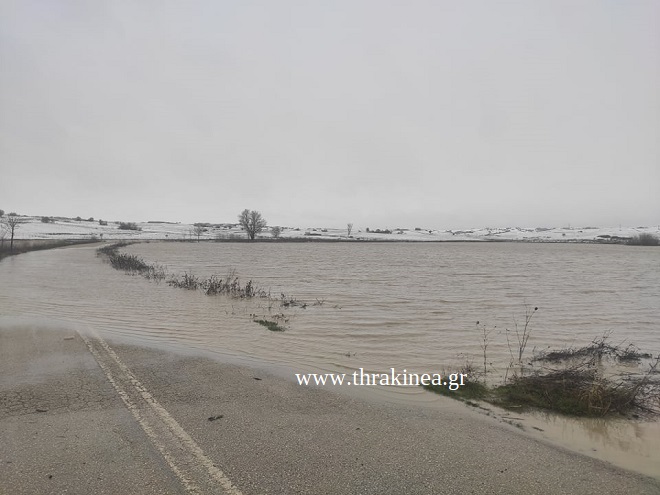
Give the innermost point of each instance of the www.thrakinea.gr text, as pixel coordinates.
(452, 381)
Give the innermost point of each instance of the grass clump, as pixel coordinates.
(585, 381)
(583, 391)
(289, 301)
(472, 388)
(598, 350)
(574, 393)
(270, 325)
(128, 263)
(186, 281)
(469, 391)
(214, 285)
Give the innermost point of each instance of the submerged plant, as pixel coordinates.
(230, 285)
(580, 383)
(581, 390)
(522, 336)
(485, 335)
(598, 350)
(186, 281)
(270, 325)
(131, 263)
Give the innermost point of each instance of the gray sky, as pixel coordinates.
(438, 114)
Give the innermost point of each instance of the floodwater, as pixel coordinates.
(374, 306)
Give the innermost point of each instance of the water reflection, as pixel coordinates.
(632, 444)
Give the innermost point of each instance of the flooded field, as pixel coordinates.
(416, 306)
(374, 306)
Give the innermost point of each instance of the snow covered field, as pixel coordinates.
(65, 228)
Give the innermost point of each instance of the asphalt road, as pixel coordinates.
(81, 416)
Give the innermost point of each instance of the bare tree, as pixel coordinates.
(3, 234)
(276, 231)
(11, 223)
(198, 230)
(252, 222)
(349, 228)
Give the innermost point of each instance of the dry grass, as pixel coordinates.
(585, 381)
(598, 350)
(579, 391)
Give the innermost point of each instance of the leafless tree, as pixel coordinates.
(276, 231)
(10, 224)
(349, 228)
(3, 234)
(252, 222)
(198, 230)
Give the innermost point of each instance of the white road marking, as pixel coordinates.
(186, 459)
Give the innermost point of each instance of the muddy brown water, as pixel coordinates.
(374, 306)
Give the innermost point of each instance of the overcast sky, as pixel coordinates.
(437, 114)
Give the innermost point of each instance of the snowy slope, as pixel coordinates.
(65, 228)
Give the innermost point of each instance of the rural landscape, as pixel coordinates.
(519, 366)
(52, 227)
(329, 248)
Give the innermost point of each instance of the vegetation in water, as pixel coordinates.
(270, 325)
(583, 381)
(229, 285)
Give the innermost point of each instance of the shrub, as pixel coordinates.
(577, 391)
(128, 262)
(644, 239)
(128, 226)
(46, 220)
(187, 281)
(103, 222)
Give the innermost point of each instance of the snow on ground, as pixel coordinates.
(66, 228)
